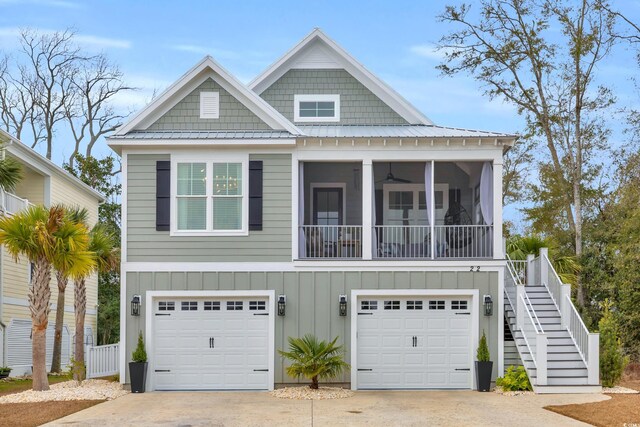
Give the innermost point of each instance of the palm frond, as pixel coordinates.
(10, 173)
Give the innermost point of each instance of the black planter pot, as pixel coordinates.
(483, 375)
(138, 374)
(4, 374)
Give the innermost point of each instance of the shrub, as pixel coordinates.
(612, 360)
(140, 354)
(314, 359)
(515, 379)
(483, 350)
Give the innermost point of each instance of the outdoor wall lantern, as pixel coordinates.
(488, 305)
(282, 303)
(135, 305)
(342, 299)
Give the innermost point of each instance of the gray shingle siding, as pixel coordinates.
(185, 115)
(358, 105)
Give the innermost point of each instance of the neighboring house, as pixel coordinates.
(317, 200)
(43, 183)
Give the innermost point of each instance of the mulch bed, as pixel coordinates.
(621, 410)
(35, 414)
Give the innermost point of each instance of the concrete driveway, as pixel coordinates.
(371, 408)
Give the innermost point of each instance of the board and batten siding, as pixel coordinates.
(185, 115)
(358, 105)
(271, 244)
(312, 299)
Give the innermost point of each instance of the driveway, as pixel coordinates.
(366, 408)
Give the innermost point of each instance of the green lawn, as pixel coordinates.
(17, 385)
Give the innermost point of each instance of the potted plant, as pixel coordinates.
(4, 372)
(138, 367)
(314, 359)
(484, 366)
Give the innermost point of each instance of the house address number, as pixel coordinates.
(474, 268)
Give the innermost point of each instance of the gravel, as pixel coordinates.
(305, 393)
(619, 390)
(69, 390)
(499, 390)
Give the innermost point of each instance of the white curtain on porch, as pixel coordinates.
(302, 247)
(486, 193)
(428, 188)
(374, 234)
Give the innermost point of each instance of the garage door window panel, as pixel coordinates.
(211, 306)
(189, 305)
(368, 305)
(234, 305)
(436, 305)
(166, 306)
(392, 305)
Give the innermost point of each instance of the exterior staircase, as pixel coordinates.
(556, 349)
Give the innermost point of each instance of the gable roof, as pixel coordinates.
(206, 68)
(37, 160)
(317, 50)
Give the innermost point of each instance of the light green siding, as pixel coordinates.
(185, 115)
(312, 298)
(358, 105)
(145, 244)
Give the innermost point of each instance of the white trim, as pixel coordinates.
(297, 99)
(341, 185)
(500, 315)
(150, 296)
(498, 244)
(123, 263)
(474, 294)
(389, 96)
(295, 193)
(386, 154)
(377, 265)
(227, 81)
(209, 160)
(368, 187)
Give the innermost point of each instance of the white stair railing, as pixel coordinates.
(587, 343)
(534, 337)
(550, 278)
(103, 360)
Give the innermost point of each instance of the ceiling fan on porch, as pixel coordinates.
(391, 178)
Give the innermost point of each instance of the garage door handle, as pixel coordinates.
(163, 370)
(260, 314)
(463, 369)
(365, 314)
(463, 314)
(163, 314)
(260, 370)
(365, 370)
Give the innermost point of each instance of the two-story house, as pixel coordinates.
(44, 183)
(315, 199)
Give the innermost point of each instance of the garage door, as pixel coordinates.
(211, 344)
(414, 343)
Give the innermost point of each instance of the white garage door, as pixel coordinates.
(211, 344)
(414, 343)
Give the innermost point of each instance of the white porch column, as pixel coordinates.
(541, 359)
(544, 267)
(593, 363)
(498, 250)
(367, 215)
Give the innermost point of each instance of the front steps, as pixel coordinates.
(566, 370)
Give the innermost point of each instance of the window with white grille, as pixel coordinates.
(414, 305)
(209, 105)
(211, 306)
(369, 305)
(234, 305)
(392, 305)
(458, 305)
(189, 305)
(166, 306)
(436, 305)
(257, 305)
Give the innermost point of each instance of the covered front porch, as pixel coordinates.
(391, 210)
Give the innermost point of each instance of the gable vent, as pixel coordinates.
(209, 105)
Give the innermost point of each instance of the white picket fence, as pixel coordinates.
(102, 360)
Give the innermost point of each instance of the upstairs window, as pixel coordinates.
(210, 197)
(316, 108)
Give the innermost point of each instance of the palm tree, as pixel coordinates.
(38, 234)
(107, 258)
(314, 359)
(62, 264)
(567, 267)
(10, 173)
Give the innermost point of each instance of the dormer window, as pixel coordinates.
(316, 108)
(209, 105)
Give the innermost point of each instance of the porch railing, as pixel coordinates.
(402, 241)
(519, 268)
(463, 241)
(11, 204)
(102, 360)
(331, 241)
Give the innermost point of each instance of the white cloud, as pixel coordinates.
(189, 48)
(8, 36)
(430, 51)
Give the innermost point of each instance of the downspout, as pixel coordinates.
(4, 347)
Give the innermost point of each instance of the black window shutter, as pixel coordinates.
(255, 195)
(163, 195)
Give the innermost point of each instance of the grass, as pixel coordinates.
(18, 385)
(36, 414)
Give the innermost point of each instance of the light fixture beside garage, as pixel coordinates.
(135, 305)
(282, 303)
(488, 305)
(342, 300)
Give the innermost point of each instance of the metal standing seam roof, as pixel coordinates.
(322, 131)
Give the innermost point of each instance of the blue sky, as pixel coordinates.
(155, 42)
